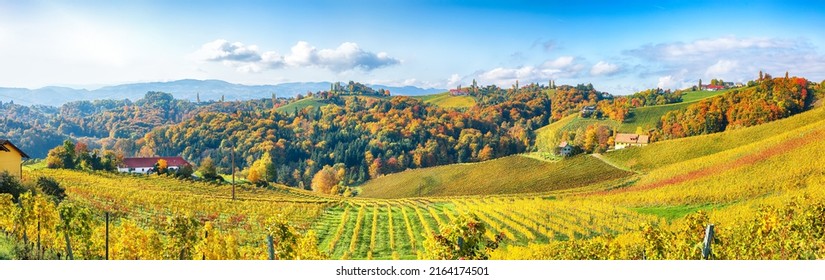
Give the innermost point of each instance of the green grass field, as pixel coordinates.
(301, 104)
(448, 101)
(693, 96)
(509, 175)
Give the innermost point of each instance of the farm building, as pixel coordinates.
(145, 165)
(713, 87)
(587, 111)
(459, 92)
(565, 149)
(11, 159)
(624, 140)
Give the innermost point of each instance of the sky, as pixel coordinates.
(620, 48)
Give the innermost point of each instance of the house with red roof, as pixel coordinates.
(143, 165)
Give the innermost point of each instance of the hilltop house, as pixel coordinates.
(588, 111)
(143, 165)
(624, 140)
(11, 159)
(713, 87)
(459, 92)
(565, 149)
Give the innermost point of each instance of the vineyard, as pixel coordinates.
(764, 194)
(397, 229)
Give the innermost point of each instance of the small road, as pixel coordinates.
(600, 157)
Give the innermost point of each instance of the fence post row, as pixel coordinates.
(706, 250)
(271, 247)
(107, 235)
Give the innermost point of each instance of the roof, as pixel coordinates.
(563, 144)
(4, 142)
(632, 138)
(150, 161)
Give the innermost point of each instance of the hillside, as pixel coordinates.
(301, 104)
(509, 175)
(644, 117)
(672, 151)
(445, 100)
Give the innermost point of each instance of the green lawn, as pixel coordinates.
(301, 104)
(448, 101)
(693, 96)
(509, 175)
(674, 212)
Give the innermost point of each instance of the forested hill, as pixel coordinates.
(357, 137)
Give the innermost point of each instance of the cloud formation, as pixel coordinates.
(604, 69)
(561, 67)
(729, 58)
(347, 56)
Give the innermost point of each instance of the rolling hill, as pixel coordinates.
(448, 101)
(643, 117)
(508, 175)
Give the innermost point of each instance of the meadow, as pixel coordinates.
(509, 175)
(446, 100)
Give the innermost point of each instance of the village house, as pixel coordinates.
(587, 111)
(624, 140)
(459, 92)
(11, 159)
(144, 165)
(565, 149)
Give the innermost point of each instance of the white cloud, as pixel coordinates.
(453, 81)
(347, 56)
(223, 50)
(561, 67)
(721, 67)
(604, 68)
(666, 82)
(730, 58)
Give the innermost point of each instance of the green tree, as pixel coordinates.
(10, 185)
(208, 170)
(51, 188)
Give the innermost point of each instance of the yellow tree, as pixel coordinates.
(325, 180)
(162, 166)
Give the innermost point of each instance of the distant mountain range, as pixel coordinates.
(182, 89)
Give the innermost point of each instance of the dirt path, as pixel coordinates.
(600, 157)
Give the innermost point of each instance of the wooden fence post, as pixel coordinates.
(69, 253)
(271, 247)
(107, 235)
(706, 250)
(39, 252)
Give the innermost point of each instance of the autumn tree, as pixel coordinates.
(261, 171)
(208, 170)
(161, 167)
(325, 180)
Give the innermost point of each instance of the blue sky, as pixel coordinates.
(619, 47)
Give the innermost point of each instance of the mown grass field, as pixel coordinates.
(301, 104)
(446, 100)
(693, 96)
(508, 175)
